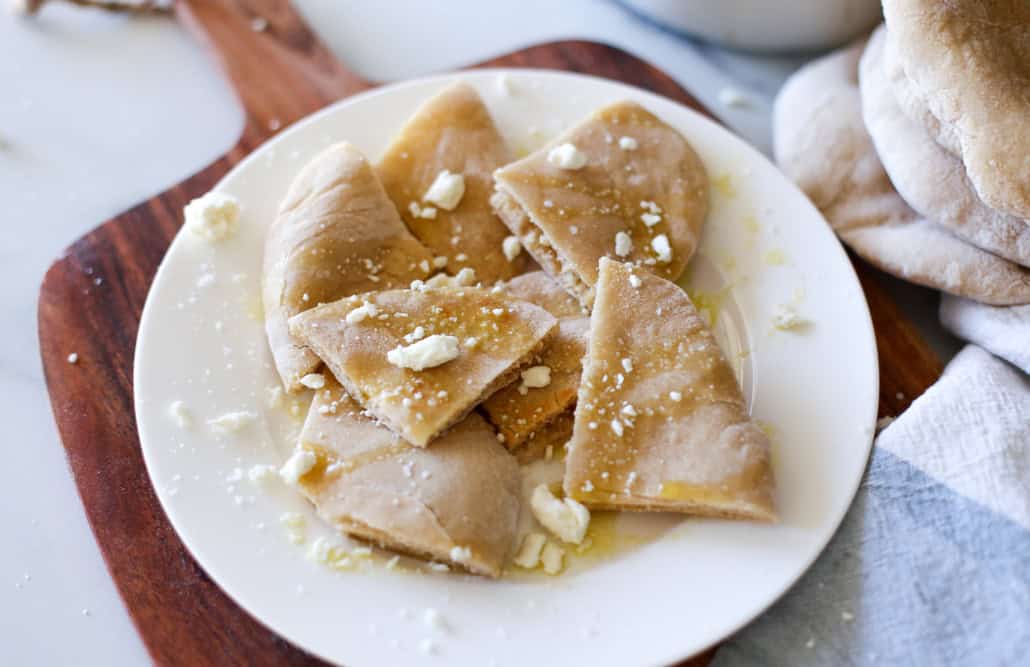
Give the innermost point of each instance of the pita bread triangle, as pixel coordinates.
(453, 131)
(420, 360)
(456, 502)
(519, 411)
(661, 424)
(620, 184)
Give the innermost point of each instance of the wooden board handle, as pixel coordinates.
(281, 72)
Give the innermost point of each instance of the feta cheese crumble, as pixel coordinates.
(313, 380)
(511, 247)
(662, 248)
(786, 318)
(565, 518)
(528, 556)
(461, 554)
(446, 191)
(429, 352)
(675, 396)
(299, 464)
(536, 377)
(232, 422)
(213, 217)
(628, 143)
(73, 358)
(567, 156)
(634, 281)
(362, 312)
(623, 244)
(650, 219)
(180, 414)
(553, 558)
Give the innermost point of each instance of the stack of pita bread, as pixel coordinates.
(442, 357)
(915, 145)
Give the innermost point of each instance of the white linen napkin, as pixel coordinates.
(1004, 330)
(931, 563)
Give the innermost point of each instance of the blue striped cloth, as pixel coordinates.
(932, 563)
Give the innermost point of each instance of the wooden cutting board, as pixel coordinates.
(280, 74)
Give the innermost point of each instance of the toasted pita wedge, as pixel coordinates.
(453, 131)
(492, 335)
(549, 441)
(463, 493)
(336, 234)
(518, 410)
(669, 430)
(636, 176)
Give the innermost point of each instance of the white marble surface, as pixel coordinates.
(99, 112)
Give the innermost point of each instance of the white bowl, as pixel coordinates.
(766, 25)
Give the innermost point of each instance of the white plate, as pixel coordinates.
(201, 341)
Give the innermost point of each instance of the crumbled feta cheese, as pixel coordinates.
(553, 558)
(567, 156)
(676, 396)
(428, 213)
(232, 422)
(528, 556)
(650, 219)
(511, 247)
(260, 473)
(628, 143)
(299, 464)
(181, 414)
(213, 217)
(629, 410)
(313, 380)
(424, 265)
(467, 276)
(418, 334)
(623, 244)
(439, 262)
(73, 358)
(429, 352)
(627, 365)
(786, 318)
(461, 554)
(434, 619)
(536, 377)
(634, 280)
(471, 342)
(565, 518)
(446, 191)
(617, 427)
(362, 312)
(661, 246)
